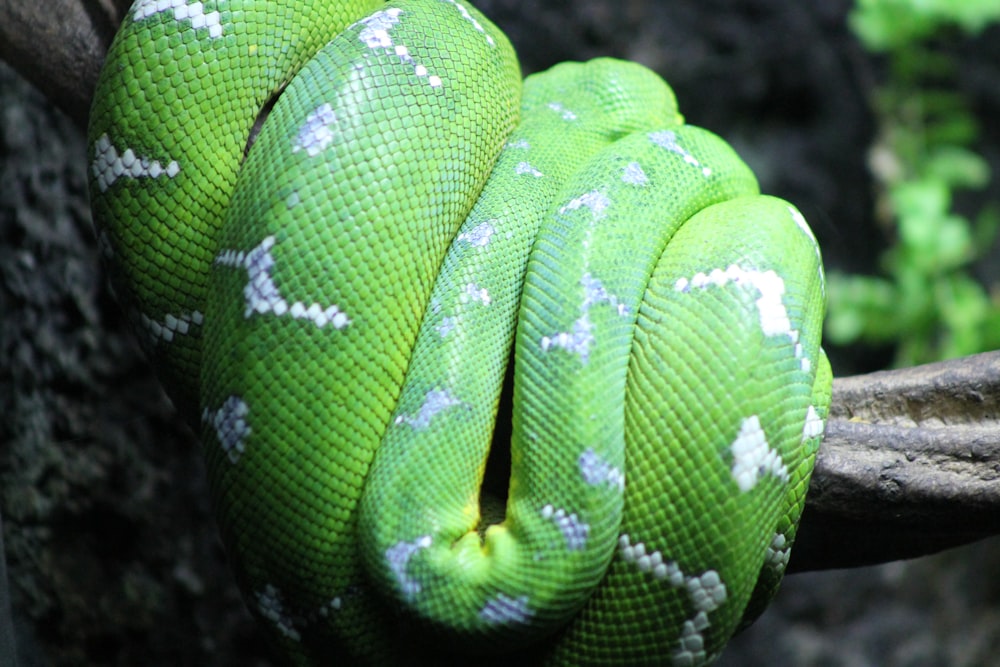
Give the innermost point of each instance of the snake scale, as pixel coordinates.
(418, 258)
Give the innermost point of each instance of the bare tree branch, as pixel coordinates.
(910, 465)
(911, 459)
(59, 46)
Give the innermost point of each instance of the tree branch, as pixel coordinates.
(910, 465)
(59, 46)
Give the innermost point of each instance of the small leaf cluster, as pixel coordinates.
(927, 301)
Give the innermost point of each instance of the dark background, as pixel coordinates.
(112, 553)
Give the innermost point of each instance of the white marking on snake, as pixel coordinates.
(573, 530)
(172, 325)
(563, 112)
(182, 10)
(706, 591)
(577, 341)
(594, 293)
(271, 606)
(525, 168)
(580, 339)
(651, 562)
(108, 166)
(802, 224)
(479, 236)
(317, 133)
(474, 292)
(690, 649)
(596, 470)
(435, 402)
(668, 139)
(447, 326)
(804, 363)
(594, 200)
(770, 308)
(398, 557)
(475, 24)
(777, 554)
(800, 221)
(753, 458)
(518, 144)
(634, 175)
(230, 424)
(375, 35)
(262, 295)
(504, 609)
(333, 605)
(813, 427)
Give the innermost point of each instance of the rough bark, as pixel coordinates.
(910, 465)
(59, 46)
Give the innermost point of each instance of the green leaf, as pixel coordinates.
(883, 25)
(957, 167)
(923, 198)
(858, 305)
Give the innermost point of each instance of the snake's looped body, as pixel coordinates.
(339, 307)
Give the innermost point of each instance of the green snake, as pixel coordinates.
(417, 258)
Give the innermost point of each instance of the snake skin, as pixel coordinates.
(419, 252)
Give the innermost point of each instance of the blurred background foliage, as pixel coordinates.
(926, 301)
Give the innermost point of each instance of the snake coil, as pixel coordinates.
(340, 308)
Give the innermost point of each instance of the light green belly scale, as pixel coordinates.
(340, 307)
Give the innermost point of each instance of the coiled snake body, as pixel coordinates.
(338, 304)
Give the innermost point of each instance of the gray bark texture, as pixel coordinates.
(111, 553)
(910, 465)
